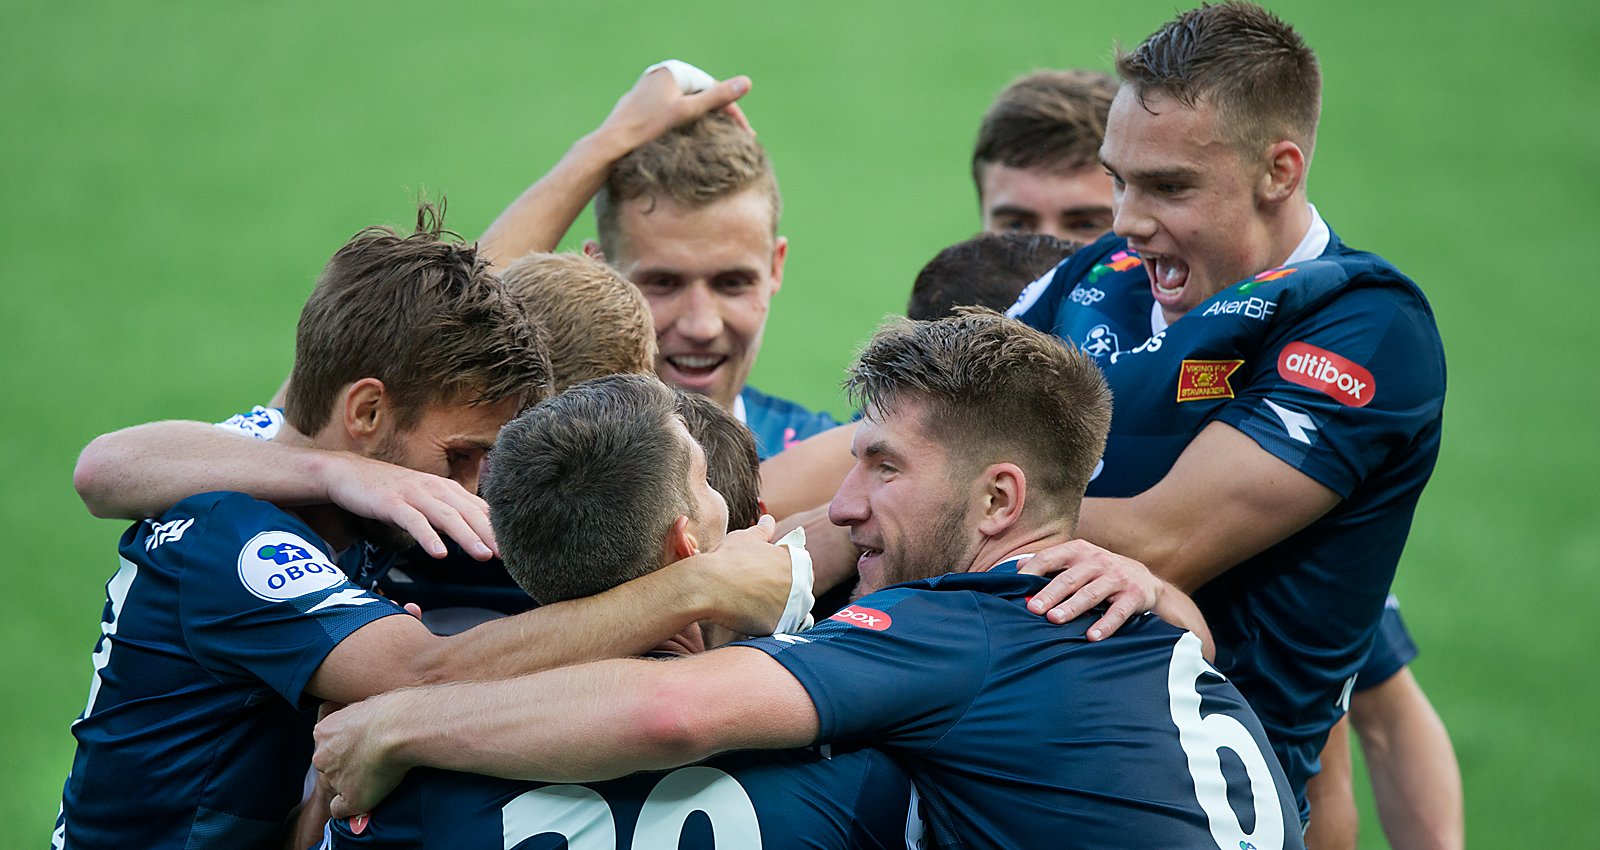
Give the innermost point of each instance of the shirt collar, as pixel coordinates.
(738, 410)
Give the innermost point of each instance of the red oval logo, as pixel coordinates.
(1322, 370)
(866, 618)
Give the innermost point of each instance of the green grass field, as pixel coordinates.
(177, 173)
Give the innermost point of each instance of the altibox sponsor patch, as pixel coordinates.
(1205, 379)
(866, 618)
(1322, 370)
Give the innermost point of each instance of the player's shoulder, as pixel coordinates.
(261, 423)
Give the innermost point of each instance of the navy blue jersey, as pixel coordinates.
(1334, 365)
(1021, 733)
(1099, 298)
(778, 424)
(197, 732)
(1392, 648)
(778, 799)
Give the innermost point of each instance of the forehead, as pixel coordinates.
(467, 423)
(1046, 190)
(1161, 134)
(730, 233)
(899, 430)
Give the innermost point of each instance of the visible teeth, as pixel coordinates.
(691, 361)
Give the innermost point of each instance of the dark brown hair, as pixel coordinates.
(1261, 76)
(988, 270)
(422, 313)
(1052, 121)
(595, 322)
(584, 486)
(995, 390)
(732, 466)
(693, 166)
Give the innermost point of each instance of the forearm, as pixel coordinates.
(544, 212)
(142, 471)
(593, 722)
(1415, 776)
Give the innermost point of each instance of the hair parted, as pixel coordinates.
(583, 487)
(989, 270)
(732, 466)
(1262, 77)
(995, 390)
(1051, 121)
(595, 322)
(422, 313)
(693, 166)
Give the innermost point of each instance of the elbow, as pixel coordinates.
(90, 478)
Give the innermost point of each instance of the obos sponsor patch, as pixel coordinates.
(1199, 380)
(277, 565)
(866, 618)
(1322, 370)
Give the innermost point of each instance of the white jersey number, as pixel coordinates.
(582, 817)
(1202, 738)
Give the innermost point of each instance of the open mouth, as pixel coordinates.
(696, 365)
(1168, 277)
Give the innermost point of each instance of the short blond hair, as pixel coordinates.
(595, 322)
(693, 166)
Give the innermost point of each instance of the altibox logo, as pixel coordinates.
(866, 618)
(1319, 369)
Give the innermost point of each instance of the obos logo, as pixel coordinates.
(866, 618)
(277, 565)
(1322, 370)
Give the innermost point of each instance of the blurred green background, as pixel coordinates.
(178, 172)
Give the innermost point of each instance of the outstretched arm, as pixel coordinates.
(1226, 499)
(142, 471)
(589, 722)
(538, 218)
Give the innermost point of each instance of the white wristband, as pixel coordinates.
(689, 78)
(797, 614)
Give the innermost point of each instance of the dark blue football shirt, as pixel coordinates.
(1022, 733)
(1334, 365)
(197, 732)
(776, 800)
(776, 423)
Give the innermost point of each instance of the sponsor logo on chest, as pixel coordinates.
(1199, 380)
(866, 618)
(1253, 307)
(1322, 370)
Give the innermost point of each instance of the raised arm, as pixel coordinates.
(589, 722)
(142, 471)
(538, 218)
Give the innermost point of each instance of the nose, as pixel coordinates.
(700, 314)
(849, 505)
(1129, 218)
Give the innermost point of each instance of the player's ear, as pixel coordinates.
(364, 410)
(761, 506)
(1285, 172)
(680, 540)
(780, 253)
(1004, 489)
(593, 251)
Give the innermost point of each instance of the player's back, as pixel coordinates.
(1021, 733)
(778, 800)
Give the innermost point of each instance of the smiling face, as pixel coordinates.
(1073, 205)
(449, 440)
(1186, 199)
(902, 503)
(709, 274)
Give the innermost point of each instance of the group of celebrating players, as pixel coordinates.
(1042, 618)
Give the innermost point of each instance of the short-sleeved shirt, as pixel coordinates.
(1022, 733)
(1392, 648)
(1334, 366)
(197, 732)
(799, 799)
(776, 423)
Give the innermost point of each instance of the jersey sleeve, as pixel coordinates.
(260, 601)
(897, 668)
(1392, 648)
(261, 423)
(1340, 389)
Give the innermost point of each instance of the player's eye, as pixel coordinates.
(733, 282)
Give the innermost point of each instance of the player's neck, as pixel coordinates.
(1287, 230)
(998, 550)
